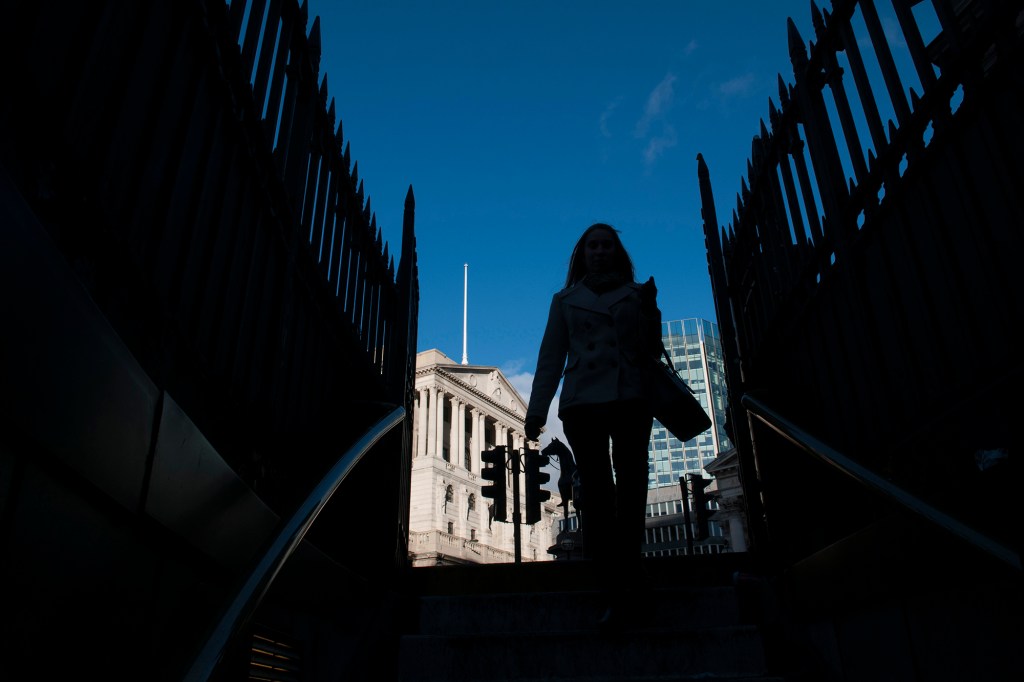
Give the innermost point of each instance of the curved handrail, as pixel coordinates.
(281, 547)
(870, 479)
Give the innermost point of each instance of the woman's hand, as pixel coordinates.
(533, 427)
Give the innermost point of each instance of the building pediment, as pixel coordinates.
(481, 381)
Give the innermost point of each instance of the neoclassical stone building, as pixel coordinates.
(461, 411)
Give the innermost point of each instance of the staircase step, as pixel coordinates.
(549, 612)
(641, 654)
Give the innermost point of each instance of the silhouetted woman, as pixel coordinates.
(603, 329)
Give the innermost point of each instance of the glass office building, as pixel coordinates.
(696, 351)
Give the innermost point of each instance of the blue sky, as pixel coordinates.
(519, 124)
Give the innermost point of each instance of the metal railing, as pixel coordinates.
(869, 479)
(281, 547)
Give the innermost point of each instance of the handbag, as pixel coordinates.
(673, 402)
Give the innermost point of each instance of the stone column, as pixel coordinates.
(476, 444)
(439, 427)
(453, 432)
(421, 424)
(431, 449)
(462, 436)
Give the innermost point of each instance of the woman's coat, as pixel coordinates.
(595, 343)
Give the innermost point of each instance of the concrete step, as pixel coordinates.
(552, 612)
(727, 653)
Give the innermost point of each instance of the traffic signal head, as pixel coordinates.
(700, 505)
(495, 473)
(535, 461)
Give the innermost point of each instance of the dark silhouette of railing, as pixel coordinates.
(191, 167)
(176, 176)
(257, 581)
(878, 298)
(849, 467)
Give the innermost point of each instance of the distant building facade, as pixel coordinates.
(460, 412)
(696, 351)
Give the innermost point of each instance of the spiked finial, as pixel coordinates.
(323, 87)
(410, 199)
(914, 99)
(797, 47)
(314, 44)
(783, 92)
(817, 21)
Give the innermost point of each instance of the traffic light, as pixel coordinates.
(700, 505)
(534, 478)
(496, 474)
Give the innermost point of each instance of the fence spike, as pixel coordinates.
(359, 193)
(783, 93)
(337, 133)
(871, 160)
(797, 47)
(892, 131)
(331, 113)
(915, 99)
(314, 44)
(410, 199)
(386, 252)
(347, 156)
(817, 21)
(773, 115)
(391, 267)
(355, 172)
(323, 87)
(853, 186)
(765, 137)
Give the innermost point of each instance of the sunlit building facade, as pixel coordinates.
(696, 351)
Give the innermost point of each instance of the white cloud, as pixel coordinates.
(658, 103)
(741, 85)
(606, 116)
(522, 382)
(657, 145)
(690, 47)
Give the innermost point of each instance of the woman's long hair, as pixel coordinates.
(621, 262)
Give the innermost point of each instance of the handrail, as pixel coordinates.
(288, 537)
(870, 479)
